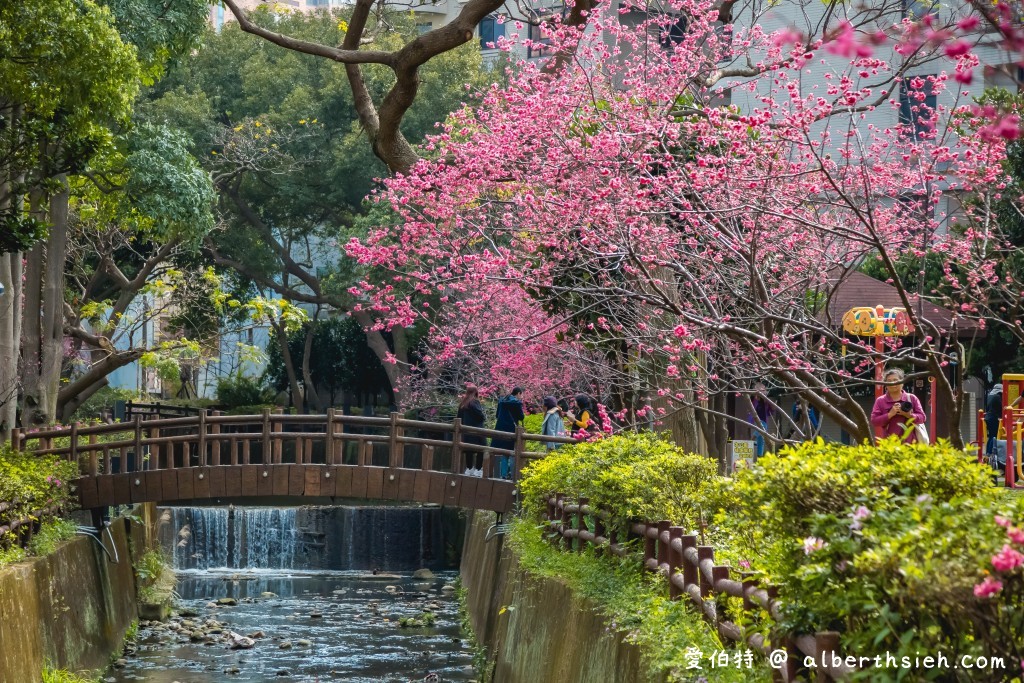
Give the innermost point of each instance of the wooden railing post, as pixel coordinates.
(827, 644)
(675, 560)
(94, 456)
(154, 449)
(566, 522)
(265, 443)
(581, 524)
(202, 439)
(137, 446)
(278, 446)
(395, 447)
(663, 527)
(457, 446)
(73, 452)
(329, 440)
(517, 452)
(215, 445)
(704, 552)
(689, 570)
(650, 549)
(16, 439)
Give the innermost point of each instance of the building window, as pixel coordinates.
(490, 31)
(673, 34)
(916, 9)
(536, 36)
(917, 105)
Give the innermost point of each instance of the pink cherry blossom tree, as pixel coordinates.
(697, 199)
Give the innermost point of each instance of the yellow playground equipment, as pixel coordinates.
(1011, 428)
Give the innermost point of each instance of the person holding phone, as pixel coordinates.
(897, 411)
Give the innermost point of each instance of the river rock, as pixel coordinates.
(232, 670)
(268, 594)
(239, 642)
(285, 645)
(283, 672)
(316, 615)
(120, 663)
(303, 643)
(257, 635)
(188, 612)
(196, 636)
(211, 605)
(423, 574)
(447, 588)
(227, 602)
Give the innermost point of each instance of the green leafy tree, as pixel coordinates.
(279, 132)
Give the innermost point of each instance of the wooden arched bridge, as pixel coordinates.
(231, 458)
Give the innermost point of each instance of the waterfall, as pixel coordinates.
(306, 538)
(231, 538)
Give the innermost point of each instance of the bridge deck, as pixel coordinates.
(215, 457)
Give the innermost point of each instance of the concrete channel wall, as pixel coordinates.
(71, 609)
(535, 628)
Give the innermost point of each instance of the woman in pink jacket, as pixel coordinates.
(897, 411)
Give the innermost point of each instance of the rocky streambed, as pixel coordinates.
(333, 626)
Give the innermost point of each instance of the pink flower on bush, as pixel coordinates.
(813, 544)
(1016, 535)
(859, 515)
(988, 587)
(1007, 559)
(1002, 521)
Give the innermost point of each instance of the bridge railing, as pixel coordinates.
(218, 441)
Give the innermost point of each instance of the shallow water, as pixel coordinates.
(356, 639)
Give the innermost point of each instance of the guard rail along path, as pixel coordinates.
(231, 457)
(690, 571)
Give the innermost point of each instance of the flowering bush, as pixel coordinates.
(29, 482)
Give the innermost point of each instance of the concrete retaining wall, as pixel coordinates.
(545, 632)
(71, 609)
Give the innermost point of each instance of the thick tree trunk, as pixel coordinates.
(44, 315)
(10, 341)
(289, 367)
(310, 394)
(32, 400)
(52, 323)
(66, 408)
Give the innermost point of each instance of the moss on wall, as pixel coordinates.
(538, 629)
(71, 608)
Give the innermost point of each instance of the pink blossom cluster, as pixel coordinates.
(1007, 560)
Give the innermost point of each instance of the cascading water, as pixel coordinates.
(306, 538)
(286, 594)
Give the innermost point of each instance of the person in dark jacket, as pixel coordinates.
(510, 413)
(993, 414)
(471, 412)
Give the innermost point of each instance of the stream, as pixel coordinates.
(284, 623)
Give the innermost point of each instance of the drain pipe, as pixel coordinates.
(97, 535)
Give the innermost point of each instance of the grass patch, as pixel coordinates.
(62, 676)
(51, 534)
(481, 663)
(635, 603)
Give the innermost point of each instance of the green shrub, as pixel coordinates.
(899, 577)
(239, 390)
(51, 534)
(93, 407)
(640, 476)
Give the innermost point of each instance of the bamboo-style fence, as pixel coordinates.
(692, 573)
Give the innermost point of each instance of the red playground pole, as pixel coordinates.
(1011, 446)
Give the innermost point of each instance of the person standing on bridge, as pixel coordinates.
(510, 414)
(471, 412)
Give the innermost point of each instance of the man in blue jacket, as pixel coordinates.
(509, 414)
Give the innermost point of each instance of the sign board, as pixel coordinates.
(743, 454)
